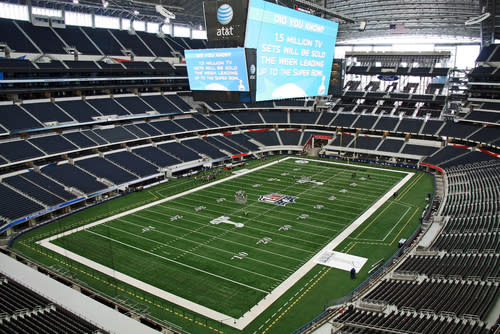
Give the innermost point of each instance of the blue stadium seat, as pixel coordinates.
(156, 44)
(15, 39)
(211, 122)
(303, 117)
(344, 120)
(132, 163)
(458, 130)
(53, 144)
(190, 124)
(79, 110)
(166, 127)
(33, 190)
(108, 107)
(16, 65)
(147, 128)
(49, 185)
(102, 168)
(14, 205)
(161, 104)
(115, 135)
(202, 147)
(156, 156)
(391, 145)
(72, 176)
(228, 118)
(410, 125)
(103, 39)
(179, 151)
(421, 150)
(74, 37)
(365, 122)
(326, 118)
(243, 141)
(275, 117)
(44, 37)
(132, 42)
(290, 137)
(432, 126)
(445, 154)
(223, 143)
(248, 117)
(365, 142)
(47, 112)
(13, 118)
(267, 138)
(133, 104)
(177, 101)
(18, 150)
(94, 137)
(79, 139)
(136, 131)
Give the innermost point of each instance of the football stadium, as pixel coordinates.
(249, 166)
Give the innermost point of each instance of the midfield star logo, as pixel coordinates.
(277, 199)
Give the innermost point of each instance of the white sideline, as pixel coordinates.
(264, 303)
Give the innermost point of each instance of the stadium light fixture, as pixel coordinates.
(164, 12)
(323, 10)
(477, 19)
(362, 26)
(105, 3)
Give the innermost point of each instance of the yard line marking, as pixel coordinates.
(370, 224)
(258, 229)
(292, 210)
(344, 182)
(410, 187)
(255, 217)
(234, 231)
(195, 242)
(406, 224)
(223, 239)
(178, 263)
(378, 216)
(289, 212)
(300, 193)
(397, 223)
(137, 283)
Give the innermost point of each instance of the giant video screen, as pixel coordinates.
(217, 69)
(294, 51)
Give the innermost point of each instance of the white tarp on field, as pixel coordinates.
(341, 260)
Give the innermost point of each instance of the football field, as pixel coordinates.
(206, 251)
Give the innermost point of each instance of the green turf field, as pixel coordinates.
(173, 245)
(227, 268)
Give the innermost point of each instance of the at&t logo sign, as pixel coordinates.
(225, 16)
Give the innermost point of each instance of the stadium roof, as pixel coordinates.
(418, 17)
(382, 17)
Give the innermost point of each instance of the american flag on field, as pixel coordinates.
(397, 28)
